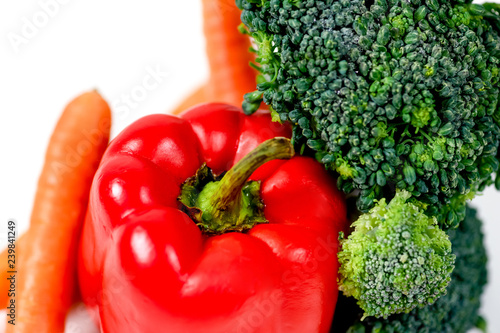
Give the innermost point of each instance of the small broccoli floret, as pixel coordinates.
(391, 94)
(455, 312)
(396, 259)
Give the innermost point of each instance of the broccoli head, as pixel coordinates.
(397, 258)
(455, 312)
(392, 94)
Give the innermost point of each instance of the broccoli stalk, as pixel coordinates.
(396, 259)
(391, 94)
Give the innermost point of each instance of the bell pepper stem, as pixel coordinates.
(230, 186)
(232, 203)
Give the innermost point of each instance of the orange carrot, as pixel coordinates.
(227, 50)
(228, 57)
(46, 278)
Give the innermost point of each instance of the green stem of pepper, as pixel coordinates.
(233, 203)
(231, 184)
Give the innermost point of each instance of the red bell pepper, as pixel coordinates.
(151, 262)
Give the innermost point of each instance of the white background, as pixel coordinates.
(111, 45)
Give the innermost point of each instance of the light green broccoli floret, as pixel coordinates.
(455, 312)
(396, 259)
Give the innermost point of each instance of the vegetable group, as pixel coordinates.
(198, 224)
(146, 264)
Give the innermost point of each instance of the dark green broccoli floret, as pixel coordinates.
(456, 312)
(397, 258)
(392, 94)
